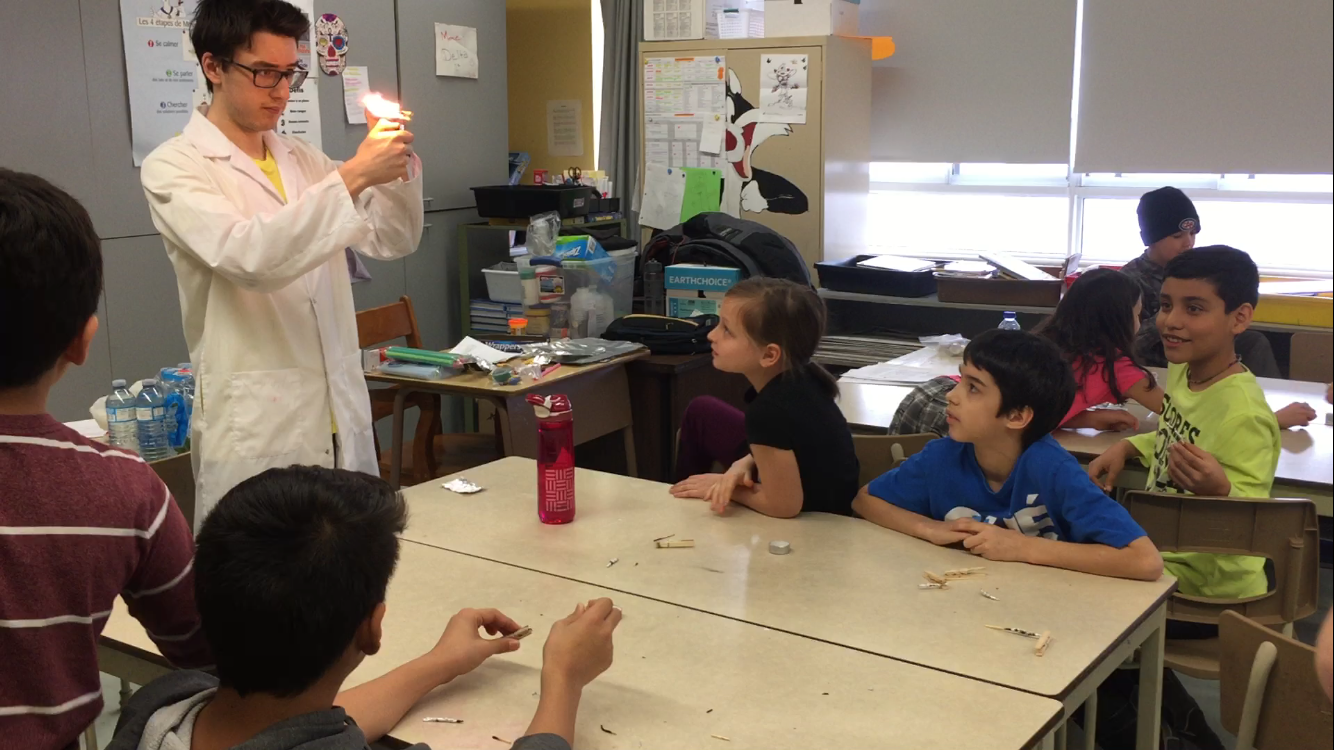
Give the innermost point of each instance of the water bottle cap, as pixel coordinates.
(1009, 314)
(547, 407)
(118, 383)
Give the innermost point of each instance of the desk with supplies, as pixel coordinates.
(681, 678)
(599, 394)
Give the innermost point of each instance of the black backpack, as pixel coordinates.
(664, 335)
(718, 239)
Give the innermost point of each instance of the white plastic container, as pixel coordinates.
(810, 18)
(502, 283)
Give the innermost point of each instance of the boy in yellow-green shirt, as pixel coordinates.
(1217, 435)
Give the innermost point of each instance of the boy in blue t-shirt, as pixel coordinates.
(1000, 484)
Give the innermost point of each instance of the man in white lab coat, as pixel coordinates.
(256, 225)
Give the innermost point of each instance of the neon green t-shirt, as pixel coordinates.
(1231, 420)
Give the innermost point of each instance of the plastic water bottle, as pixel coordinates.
(122, 423)
(655, 297)
(151, 414)
(1010, 323)
(177, 389)
(555, 458)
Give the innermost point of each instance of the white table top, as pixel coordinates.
(846, 581)
(765, 689)
(1308, 452)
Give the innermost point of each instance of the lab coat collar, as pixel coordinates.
(214, 144)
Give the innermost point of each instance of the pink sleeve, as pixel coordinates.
(1127, 374)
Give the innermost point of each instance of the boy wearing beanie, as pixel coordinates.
(1168, 223)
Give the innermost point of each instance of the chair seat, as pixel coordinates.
(1196, 657)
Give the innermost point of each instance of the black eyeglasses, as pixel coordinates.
(267, 78)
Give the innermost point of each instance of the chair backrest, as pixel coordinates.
(1311, 357)
(382, 324)
(880, 453)
(1292, 708)
(1283, 530)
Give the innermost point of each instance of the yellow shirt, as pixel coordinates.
(270, 169)
(1232, 421)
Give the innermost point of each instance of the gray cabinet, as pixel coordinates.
(465, 121)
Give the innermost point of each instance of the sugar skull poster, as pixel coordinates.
(331, 43)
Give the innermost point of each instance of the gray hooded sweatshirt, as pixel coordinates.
(161, 716)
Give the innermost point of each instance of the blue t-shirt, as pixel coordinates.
(1047, 494)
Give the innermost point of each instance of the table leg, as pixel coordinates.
(1091, 721)
(631, 464)
(396, 452)
(1048, 741)
(1061, 732)
(503, 425)
(1151, 686)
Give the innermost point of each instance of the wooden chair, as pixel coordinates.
(880, 453)
(1285, 531)
(1269, 693)
(381, 325)
(1311, 357)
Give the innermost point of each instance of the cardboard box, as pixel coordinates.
(682, 303)
(696, 277)
(810, 17)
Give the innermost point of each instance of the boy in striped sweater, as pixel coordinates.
(80, 522)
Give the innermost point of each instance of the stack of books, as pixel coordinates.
(493, 317)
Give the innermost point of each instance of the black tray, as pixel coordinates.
(524, 201)
(845, 276)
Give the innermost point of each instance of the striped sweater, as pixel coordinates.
(80, 524)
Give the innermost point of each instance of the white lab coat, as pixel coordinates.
(266, 301)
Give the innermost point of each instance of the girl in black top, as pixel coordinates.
(791, 449)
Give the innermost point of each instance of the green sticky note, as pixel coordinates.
(704, 192)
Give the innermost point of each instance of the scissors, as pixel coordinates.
(574, 175)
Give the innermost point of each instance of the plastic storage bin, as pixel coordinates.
(600, 277)
(502, 283)
(846, 276)
(623, 285)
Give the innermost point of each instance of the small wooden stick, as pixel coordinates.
(720, 737)
(932, 577)
(676, 544)
(964, 572)
(1043, 642)
(659, 539)
(1016, 631)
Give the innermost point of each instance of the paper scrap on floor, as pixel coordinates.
(477, 350)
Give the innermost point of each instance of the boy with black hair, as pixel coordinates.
(999, 483)
(80, 522)
(291, 572)
(1216, 435)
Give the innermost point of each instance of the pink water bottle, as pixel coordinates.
(555, 458)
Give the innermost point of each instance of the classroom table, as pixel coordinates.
(846, 581)
(599, 394)
(1305, 465)
(680, 678)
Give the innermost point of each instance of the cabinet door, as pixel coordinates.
(461, 124)
(772, 172)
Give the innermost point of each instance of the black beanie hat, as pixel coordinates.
(1163, 213)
